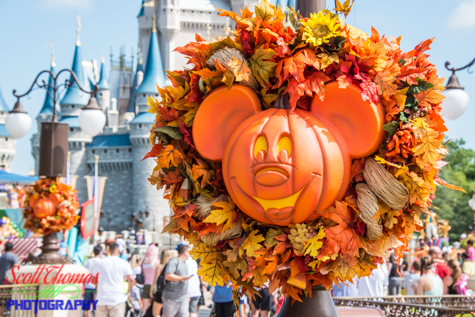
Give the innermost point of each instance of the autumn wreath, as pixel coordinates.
(51, 206)
(273, 54)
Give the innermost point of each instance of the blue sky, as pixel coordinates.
(27, 26)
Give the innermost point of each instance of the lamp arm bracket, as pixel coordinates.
(453, 69)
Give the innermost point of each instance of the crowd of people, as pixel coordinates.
(436, 273)
(162, 286)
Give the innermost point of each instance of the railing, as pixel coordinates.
(427, 306)
(17, 292)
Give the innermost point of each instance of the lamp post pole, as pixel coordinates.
(310, 6)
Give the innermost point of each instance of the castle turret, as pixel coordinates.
(103, 94)
(146, 197)
(71, 105)
(7, 143)
(169, 25)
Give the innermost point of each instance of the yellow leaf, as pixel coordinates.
(418, 188)
(386, 81)
(265, 11)
(228, 78)
(313, 245)
(427, 148)
(298, 280)
(236, 268)
(432, 95)
(270, 237)
(226, 214)
(190, 115)
(261, 67)
(212, 268)
(259, 278)
(252, 244)
(240, 70)
(344, 8)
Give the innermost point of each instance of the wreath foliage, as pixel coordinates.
(274, 53)
(64, 217)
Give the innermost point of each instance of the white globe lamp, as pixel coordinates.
(92, 119)
(456, 99)
(17, 122)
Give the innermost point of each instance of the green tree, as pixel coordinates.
(452, 205)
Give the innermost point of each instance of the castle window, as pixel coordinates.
(140, 126)
(71, 130)
(144, 95)
(6, 139)
(130, 150)
(117, 150)
(105, 151)
(93, 151)
(156, 95)
(72, 106)
(100, 94)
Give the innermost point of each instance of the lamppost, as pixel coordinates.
(54, 135)
(54, 144)
(456, 99)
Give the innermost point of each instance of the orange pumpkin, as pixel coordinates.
(283, 166)
(44, 206)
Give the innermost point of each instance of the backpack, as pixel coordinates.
(161, 282)
(462, 288)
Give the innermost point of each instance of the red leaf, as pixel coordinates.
(246, 43)
(154, 151)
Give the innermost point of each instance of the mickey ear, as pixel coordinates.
(218, 117)
(359, 122)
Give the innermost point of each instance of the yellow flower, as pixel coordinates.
(320, 28)
(53, 189)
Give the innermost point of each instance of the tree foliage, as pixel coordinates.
(453, 205)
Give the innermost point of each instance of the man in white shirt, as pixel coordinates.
(113, 271)
(90, 288)
(373, 285)
(194, 286)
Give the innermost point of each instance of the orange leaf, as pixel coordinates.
(154, 151)
(202, 169)
(174, 177)
(342, 237)
(313, 83)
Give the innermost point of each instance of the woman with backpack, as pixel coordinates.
(456, 284)
(157, 296)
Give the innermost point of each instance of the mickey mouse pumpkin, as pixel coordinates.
(282, 166)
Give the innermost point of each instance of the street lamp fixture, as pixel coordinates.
(17, 122)
(92, 119)
(456, 99)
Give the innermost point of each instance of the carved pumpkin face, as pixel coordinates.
(283, 166)
(44, 206)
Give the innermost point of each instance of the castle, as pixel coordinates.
(163, 26)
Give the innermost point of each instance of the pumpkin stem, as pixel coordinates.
(282, 102)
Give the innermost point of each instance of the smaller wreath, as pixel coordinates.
(51, 206)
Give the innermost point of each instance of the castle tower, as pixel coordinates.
(138, 79)
(146, 196)
(45, 115)
(103, 94)
(170, 25)
(121, 82)
(71, 105)
(7, 143)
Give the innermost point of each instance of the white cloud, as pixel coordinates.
(73, 4)
(462, 18)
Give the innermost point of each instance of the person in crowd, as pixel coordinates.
(136, 263)
(136, 298)
(110, 287)
(395, 280)
(412, 278)
(373, 285)
(450, 281)
(430, 283)
(175, 294)
(280, 300)
(261, 305)
(468, 266)
(149, 267)
(157, 296)
(439, 266)
(7, 261)
(90, 288)
(342, 290)
(470, 250)
(194, 286)
(223, 300)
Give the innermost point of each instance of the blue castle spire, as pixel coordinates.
(154, 73)
(48, 105)
(141, 10)
(103, 84)
(74, 96)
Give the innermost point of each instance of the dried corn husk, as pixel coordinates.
(385, 185)
(368, 206)
(204, 205)
(212, 238)
(227, 55)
